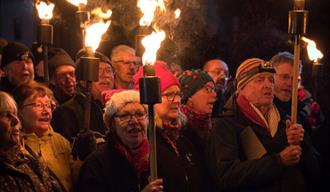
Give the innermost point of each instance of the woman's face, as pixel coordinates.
(171, 99)
(130, 124)
(36, 114)
(9, 128)
(202, 101)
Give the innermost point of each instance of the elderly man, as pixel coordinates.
(17, 65)
(253, 147)
(62, 75)
(124, 62)
(219, 72)
(68, 119)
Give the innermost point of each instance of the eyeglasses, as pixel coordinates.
(285, 77)
(172, 95)
(66, 75)
(209, 89)
(41, 106)
(126, 62)
(125, 117)
(12, 117)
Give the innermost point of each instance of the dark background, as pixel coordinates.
(233, 30)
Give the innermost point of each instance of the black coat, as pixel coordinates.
(231, 169)
(107, 170)
(180, 174)
(68, 119)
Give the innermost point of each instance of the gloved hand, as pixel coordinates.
(85, 143)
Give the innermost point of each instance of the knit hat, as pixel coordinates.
(167, 79)
(117, 100)
(249, 69)
(191, 81)
(15, 51)
(58, 57)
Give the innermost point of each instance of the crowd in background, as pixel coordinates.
(214, 132)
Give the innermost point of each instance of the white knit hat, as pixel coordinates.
(118, 100)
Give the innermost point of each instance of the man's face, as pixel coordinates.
(105, 81)
(19, 71)
(64, 79)
(218, 70)
(283, 81)
(260, 90)
(9, 129)
(125, 67)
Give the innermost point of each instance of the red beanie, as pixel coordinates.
(162, 71)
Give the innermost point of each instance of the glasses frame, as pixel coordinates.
(129, 116)
(41, 106)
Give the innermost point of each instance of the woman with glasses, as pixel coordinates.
(18, 171)
(178, 163)
(198, 98)
(35, 106)
(121, 164)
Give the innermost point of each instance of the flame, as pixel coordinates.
(99, 12)
(161, 5)
(148, 8)
(313, 53)
(151, 44)
(177, 13)
(45, 11)
(94, 34)
(77, 2)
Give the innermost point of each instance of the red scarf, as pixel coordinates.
(196, 120)
(140, 160)
(248, 111)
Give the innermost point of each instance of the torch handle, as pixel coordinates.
(152, 141)
(45, 58)
(88, 100)
(294, 103)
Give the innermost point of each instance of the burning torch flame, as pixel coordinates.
(45, 11)
(148, 8)
(94, 34)
(313, 53)
(104, 15)
(177, 13)
(78, 2)
(151, 44)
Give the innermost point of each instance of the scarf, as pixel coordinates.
(139, 160)
(270, 122)
(197, 121)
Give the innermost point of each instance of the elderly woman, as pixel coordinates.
(199, 95)
(18, 171)
(122, 163)
(178, 162)
(35, 106)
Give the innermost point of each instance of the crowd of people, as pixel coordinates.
(214, 132)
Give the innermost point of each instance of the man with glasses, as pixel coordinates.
(218, 70)
(62, 75)
(17, 65)
(124, 61)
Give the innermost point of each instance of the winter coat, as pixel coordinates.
(55, 151)
(106, 169)
(234, 169)
(179, 173)
(68, 119)
(26, 174)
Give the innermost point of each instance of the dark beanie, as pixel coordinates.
(191, 81)
(15, 51)
(58, 57)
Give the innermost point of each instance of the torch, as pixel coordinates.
(297, 27)
(88, 69)
(314, 55)
(82, 15)
(45, 32)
